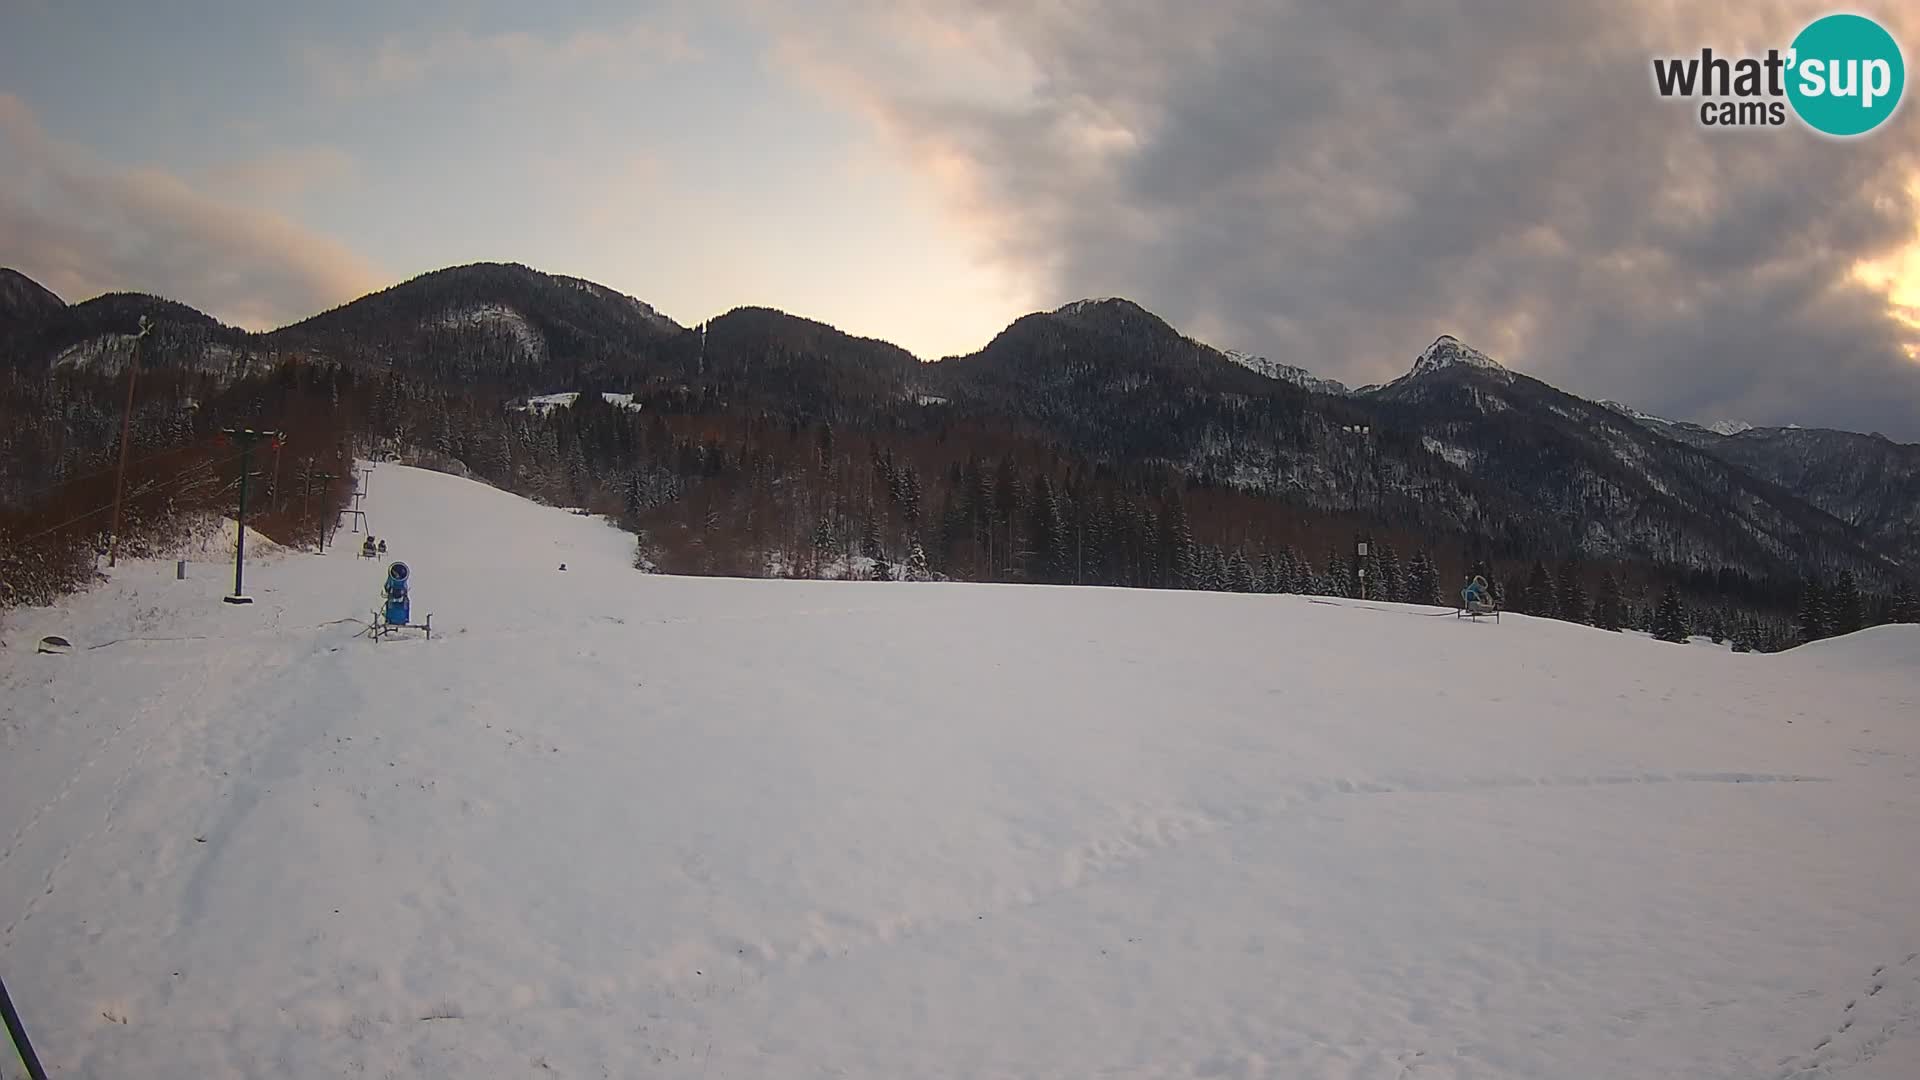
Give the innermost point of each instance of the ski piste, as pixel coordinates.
(617, 823)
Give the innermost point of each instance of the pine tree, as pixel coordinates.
(1293, 573)
(1240, 573)
(1844, 606)
(1176, 547)
(1270, 581)
(917, 563)
(1045, 532)
(1339, 580)
(1423, 580)
(1536, 596)
(1215, 576)
(1905, 606)
(1608, 608)
(1387, 582)
(1670, 620)
(1573, 597)
(1812, 617)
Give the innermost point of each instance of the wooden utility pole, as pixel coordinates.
(126, 438)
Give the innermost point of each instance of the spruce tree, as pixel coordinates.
(1905, 606)
(1217, 570)
(1670, 620)
(1608, 606)
(1240, 573)
(1176, 547)
(1291, 572)
(1844, 607)
(1812, 617)
(1339, 581)
(1270, 573)
(1423, 580)
(1536, 596)
(1743, 638)
(1387, 581)
(917, 569)
(1573, 596)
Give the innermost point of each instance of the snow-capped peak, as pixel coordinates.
(1447, 351)
(1294, 374)
(1081, 307)
(1102, 305)
(1729, 427)
(1635, 414)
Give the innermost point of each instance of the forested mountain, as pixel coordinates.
(24, 299)
(1868, 481)
(1572, 471)
(496, 324)
(1093, 443)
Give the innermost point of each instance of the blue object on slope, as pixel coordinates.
(399, 607)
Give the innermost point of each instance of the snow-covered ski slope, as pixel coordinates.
(609, 824)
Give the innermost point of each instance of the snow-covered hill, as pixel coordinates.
(614, 824)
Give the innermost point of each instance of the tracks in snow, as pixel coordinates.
(1886, 1008)
(1152, 831)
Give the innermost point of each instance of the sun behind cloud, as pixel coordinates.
(1897, 276)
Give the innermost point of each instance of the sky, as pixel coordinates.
(1330, 185)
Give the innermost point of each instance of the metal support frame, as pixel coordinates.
(245, 438)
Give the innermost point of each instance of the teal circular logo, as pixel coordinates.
(1847, 74)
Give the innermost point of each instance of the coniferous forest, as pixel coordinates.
(1092, 445)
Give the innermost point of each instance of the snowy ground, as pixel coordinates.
(608, 824)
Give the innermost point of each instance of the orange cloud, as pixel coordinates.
(82, 227)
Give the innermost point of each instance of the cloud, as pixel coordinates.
(1336, 184)
(403, 61)
(82, 227)
(282, 174)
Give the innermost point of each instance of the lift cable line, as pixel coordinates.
(184, 475)
(126, 439)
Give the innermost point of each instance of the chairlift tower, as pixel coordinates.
(245, 438)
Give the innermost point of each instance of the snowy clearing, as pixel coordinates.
(546, 403)
(614, 824)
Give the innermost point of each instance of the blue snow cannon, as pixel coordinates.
(399, 607)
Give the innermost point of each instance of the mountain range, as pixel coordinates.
(1459, 446)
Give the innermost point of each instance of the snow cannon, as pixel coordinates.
(399, 607)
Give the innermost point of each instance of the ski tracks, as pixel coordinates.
(152, 722)
(1149, 831)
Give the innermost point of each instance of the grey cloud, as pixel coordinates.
(1334, 184)
(83, 228)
